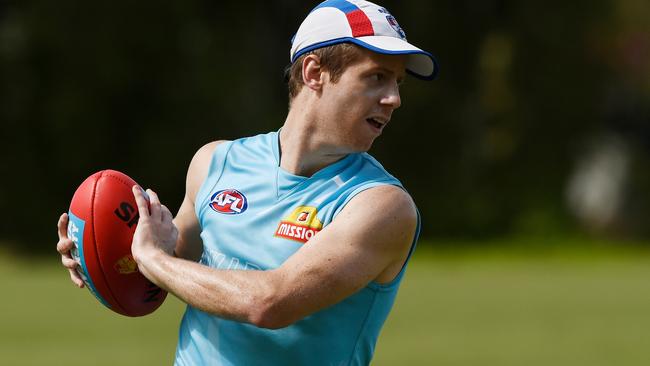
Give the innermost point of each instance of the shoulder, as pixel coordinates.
(199, 166)
(384, 213)
(372, 169)
(386, 200)
(205, 152)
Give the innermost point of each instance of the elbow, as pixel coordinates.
(270, 322)
(269, 316)
(272, 312)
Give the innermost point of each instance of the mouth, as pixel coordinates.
(376, 122)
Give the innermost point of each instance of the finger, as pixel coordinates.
(154, 204)
(62, 225)
(166, 213)
(141, 201)
(64, 246)
(69, 263)
(76, 279)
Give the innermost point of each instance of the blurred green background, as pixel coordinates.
(527, 158)
(474, 306)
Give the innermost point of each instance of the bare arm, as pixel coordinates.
(369, 240)
(189, 244)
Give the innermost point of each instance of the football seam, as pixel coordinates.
(101, 264)
(117, 177)
(109, 173)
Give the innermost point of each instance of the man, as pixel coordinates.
(302, 238)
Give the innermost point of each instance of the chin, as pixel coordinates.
(363, 147)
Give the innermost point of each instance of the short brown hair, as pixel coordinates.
(335, 59)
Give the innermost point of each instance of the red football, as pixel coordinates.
(102, 219)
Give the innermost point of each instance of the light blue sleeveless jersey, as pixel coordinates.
(254, 215)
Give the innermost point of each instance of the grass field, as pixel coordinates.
(472, 308)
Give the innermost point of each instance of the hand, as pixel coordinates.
(63, 247)
(156, 232)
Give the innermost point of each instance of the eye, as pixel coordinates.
(378, 76)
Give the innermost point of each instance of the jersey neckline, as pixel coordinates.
(293, 181)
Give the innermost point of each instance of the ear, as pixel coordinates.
(312, 72)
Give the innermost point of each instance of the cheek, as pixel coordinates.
(348, 103)
(355, 101)
(341, 104)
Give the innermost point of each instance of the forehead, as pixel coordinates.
(370, 60)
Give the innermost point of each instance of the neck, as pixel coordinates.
(304, 145)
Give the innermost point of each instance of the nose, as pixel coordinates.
(391, 97)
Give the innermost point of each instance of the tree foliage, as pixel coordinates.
(487, 149)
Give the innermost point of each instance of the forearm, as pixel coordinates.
(232, 294)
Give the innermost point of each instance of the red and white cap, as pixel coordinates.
(364, 24)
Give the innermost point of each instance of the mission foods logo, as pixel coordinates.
(228, 202)
(301, 225)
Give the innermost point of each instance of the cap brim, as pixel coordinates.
(420, 64)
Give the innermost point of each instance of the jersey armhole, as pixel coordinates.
(395, 281)
(215, 170)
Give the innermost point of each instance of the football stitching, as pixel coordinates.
(101, 265)
(110, 173)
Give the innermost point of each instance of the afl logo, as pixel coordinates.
(229, 202)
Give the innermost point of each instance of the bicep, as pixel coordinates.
(372, 233)
(189, 245)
